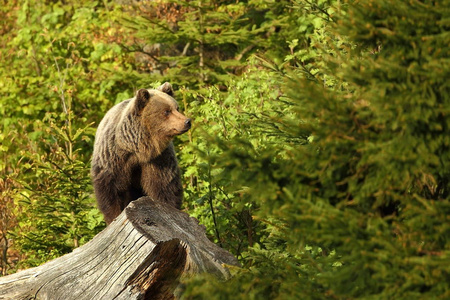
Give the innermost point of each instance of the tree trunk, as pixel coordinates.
(141, 255)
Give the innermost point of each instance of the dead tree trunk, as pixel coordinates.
(141, 255)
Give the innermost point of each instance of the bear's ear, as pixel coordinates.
(142, 97)
(166, 88)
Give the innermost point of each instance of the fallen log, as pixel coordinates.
(141, 255)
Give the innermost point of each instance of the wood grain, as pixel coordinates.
(141, 255)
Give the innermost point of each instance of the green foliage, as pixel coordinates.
(365, 203)
(55, 210)
(253, 116)
(214, 199)
(193, 43)
(57, 61)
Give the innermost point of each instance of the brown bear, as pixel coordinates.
(133, 152)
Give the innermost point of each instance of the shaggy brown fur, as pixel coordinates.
(133, 152)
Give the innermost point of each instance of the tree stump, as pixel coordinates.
(141, 255)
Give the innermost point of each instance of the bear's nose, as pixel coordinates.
(187, 123)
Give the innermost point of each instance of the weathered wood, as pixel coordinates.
(141, 255)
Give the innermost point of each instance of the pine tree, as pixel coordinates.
(362, 210)
(197, 43)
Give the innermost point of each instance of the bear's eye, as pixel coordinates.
(167, 112)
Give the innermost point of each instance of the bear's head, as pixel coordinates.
(159, 115)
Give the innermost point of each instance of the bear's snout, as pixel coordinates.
(187, 126)
(181, 126)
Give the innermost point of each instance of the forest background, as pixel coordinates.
(320, 149)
